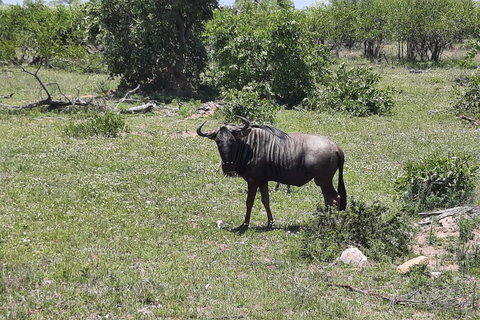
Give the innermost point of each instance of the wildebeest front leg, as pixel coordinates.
(266, 204)
(252, 192)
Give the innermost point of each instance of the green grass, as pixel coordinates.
(125, 228)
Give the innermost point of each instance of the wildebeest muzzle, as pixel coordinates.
(228, 168)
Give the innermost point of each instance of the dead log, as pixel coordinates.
(49, 104)
(144, 108)
(441, 214)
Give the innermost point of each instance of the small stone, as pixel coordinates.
(405, 267)
(353, 256)
(220, 224)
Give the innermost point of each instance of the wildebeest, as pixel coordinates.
(263, 153)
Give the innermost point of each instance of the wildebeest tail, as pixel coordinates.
(342, 192)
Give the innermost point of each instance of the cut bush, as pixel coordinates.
(379, 232)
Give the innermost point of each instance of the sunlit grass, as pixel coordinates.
(127, 227)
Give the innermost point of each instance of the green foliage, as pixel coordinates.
(376, 230)
(265, 46)
(251, 102)
(437, 182)
(155, 42)
(352, 90)
(108, 125)
(467, 97)
(36, 32)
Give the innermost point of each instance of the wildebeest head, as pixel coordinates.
(226, 138)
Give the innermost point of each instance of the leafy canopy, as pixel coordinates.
(154, 41)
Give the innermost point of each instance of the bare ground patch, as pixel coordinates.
(439, 239)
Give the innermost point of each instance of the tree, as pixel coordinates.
(429, 26)
(155, 41)
(426, 26)
(373, 26)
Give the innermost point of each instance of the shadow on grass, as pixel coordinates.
(266, 228)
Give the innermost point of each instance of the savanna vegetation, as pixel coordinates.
(108, 215)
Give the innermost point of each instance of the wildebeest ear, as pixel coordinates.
(243, 133)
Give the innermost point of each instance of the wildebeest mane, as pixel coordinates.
(272, 130)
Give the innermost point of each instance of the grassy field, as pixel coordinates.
(126, 228)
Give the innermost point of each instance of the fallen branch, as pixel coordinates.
(7, 96)
(471, 120)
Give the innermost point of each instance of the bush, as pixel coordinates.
(353, 91)
(251, 103)
(273, 47)
(468, 251)
(107, 125)
(375, 230)
(437, 182)
(468, 97)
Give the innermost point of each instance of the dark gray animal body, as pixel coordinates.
(262, 153)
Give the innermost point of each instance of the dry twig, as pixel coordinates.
(126, 95)
(394, 300)
(471, 120)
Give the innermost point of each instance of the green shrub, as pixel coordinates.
(107, 125)
(251, 103)
(353, 91)
(467, 97)
(376, 230)
(437, 182)
(466, 227)
(273, 47)
(468, 252)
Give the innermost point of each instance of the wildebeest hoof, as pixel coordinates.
(270, 225)
(241, 228)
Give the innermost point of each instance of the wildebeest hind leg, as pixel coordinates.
(266, 204)
(330, 195)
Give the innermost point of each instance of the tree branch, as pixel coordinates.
(49, 96)
(126, 95)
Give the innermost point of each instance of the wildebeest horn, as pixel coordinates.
(199, 130)
(245, 121)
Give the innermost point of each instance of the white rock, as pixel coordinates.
(354, 257)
